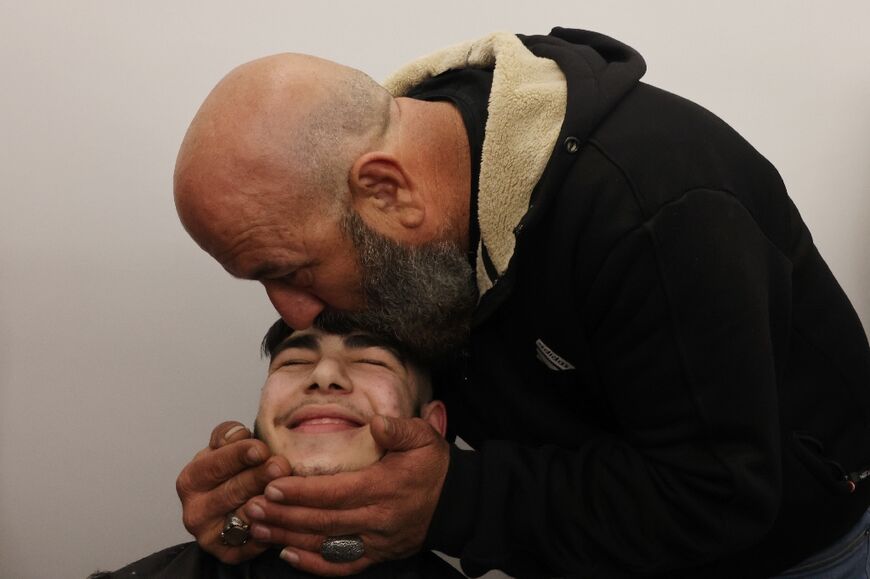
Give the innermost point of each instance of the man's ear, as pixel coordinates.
(384, 195)
(435, 413)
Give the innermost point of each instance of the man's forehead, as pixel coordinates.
(242, 240)
(246, 222)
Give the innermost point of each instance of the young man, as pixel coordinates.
(323, 389)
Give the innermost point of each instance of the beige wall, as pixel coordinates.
(122, 344)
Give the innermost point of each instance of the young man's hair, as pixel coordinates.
(280, 331)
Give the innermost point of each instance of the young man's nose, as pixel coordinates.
(329, 376)
(298, 308)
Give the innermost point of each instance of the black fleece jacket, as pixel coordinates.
(667, 380)
(189, 561)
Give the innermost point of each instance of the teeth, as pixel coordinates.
(325, 420)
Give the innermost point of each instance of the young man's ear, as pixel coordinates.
(435, 413)
(384, 195)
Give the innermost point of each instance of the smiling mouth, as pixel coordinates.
(324, 424)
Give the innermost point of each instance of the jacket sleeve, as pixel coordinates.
(686, 322)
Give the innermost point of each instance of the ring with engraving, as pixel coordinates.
(342, 549)
(236, 532)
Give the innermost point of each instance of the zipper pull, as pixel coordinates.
(855, 477)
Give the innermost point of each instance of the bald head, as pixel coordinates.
(294, 165)
(277, 137)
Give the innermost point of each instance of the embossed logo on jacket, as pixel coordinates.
(551, 359)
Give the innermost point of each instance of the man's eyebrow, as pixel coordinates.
(265, 271)
(360, 341)
(303, 342)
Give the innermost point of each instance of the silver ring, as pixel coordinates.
(235, 532)
(343, 549)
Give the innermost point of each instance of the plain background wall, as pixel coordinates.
(122, 344)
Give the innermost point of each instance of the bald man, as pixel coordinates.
(662, 377)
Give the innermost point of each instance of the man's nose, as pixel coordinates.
(328, 376)
(298, 308)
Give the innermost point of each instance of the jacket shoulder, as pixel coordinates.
(667, 145)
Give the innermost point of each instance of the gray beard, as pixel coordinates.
(421, 296)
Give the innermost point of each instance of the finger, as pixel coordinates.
(313, 562)
(338, 491)
(278, 536)
(204, 513)
(247, 484)
(295, 519)
(210, 469)
(211, 541)
(402, 434)
(227, 432)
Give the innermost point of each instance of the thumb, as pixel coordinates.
(400, 434)
(227, 432)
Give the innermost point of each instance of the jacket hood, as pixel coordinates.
(542, 87)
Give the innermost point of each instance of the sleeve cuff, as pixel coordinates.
(453, 522)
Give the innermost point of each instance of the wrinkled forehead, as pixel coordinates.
(221, 207)
(237, 191)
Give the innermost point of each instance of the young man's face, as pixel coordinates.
(323, 391)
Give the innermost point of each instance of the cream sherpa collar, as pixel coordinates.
(526, 110)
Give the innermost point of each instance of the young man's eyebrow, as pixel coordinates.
(360, 341)
(304, 342)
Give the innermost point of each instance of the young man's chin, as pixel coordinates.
(318, 453)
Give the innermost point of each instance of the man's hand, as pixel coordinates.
(389, 504)
(220, 479)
